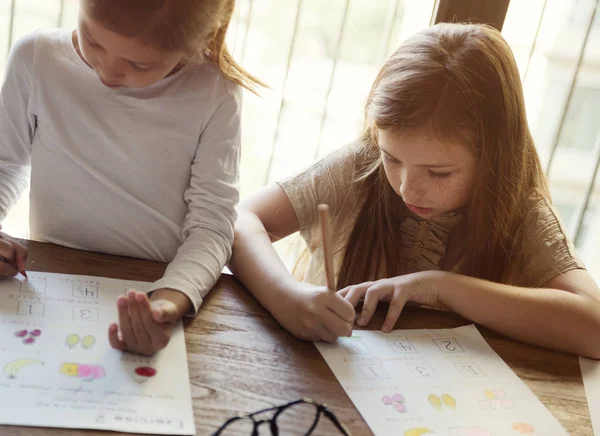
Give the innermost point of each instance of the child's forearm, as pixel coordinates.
(549, 318)
(256, 263)
(178, 298)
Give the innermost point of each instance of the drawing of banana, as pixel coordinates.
(72, 340)
(12, 368)
(449, 401)
(420, 431)
(435, 401)
(88, 341)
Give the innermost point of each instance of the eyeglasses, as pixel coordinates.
(298, 418)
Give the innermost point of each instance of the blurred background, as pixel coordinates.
(320, 63)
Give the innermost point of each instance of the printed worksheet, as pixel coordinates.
(590, 371)
(435, 382)
(58, 369)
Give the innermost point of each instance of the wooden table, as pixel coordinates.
(241, 360)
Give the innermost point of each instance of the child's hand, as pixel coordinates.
(12, 256)
(419, 287)
(145, 326)
(315, 313)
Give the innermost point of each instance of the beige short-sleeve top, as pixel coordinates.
(546, 252)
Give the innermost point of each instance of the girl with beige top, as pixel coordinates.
(440, 202)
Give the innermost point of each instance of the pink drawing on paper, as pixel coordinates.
(495, 400)
(28, 336)
(396, 401)
(86, 372)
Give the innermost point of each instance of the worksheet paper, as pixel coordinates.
(57, 368)
(435, 382)
(590, 370)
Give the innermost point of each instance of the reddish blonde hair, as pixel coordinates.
(195, 27)
(457, 81)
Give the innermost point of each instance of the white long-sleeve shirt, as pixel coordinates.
(150, 173)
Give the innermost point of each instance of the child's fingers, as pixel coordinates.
(357, 292)
(21, 254)
(125, 322)
(344, 291)
(342, 308)
(137, 325)
(339, 327)
(6, 269)
(113, 337)
(7, 250)
(12, 253)
(156, 332)
(396, 305)
(324, 333)
(164, 312)
(372, 297)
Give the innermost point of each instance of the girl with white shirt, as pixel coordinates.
(128, 131)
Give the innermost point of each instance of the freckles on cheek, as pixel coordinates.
(448, 193)
(453, 194)
(462, 192)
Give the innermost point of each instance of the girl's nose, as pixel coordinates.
(411, 189)
(111, 69)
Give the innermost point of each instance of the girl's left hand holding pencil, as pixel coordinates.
(12, 257)
(145, 325)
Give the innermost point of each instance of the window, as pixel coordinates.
(556, 46)
(320, 67)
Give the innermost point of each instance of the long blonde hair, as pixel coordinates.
(457, 81)
(195, 27)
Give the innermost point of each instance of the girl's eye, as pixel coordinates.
(439, 175)
(388, 159)
(141, 67)
(90, 42)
